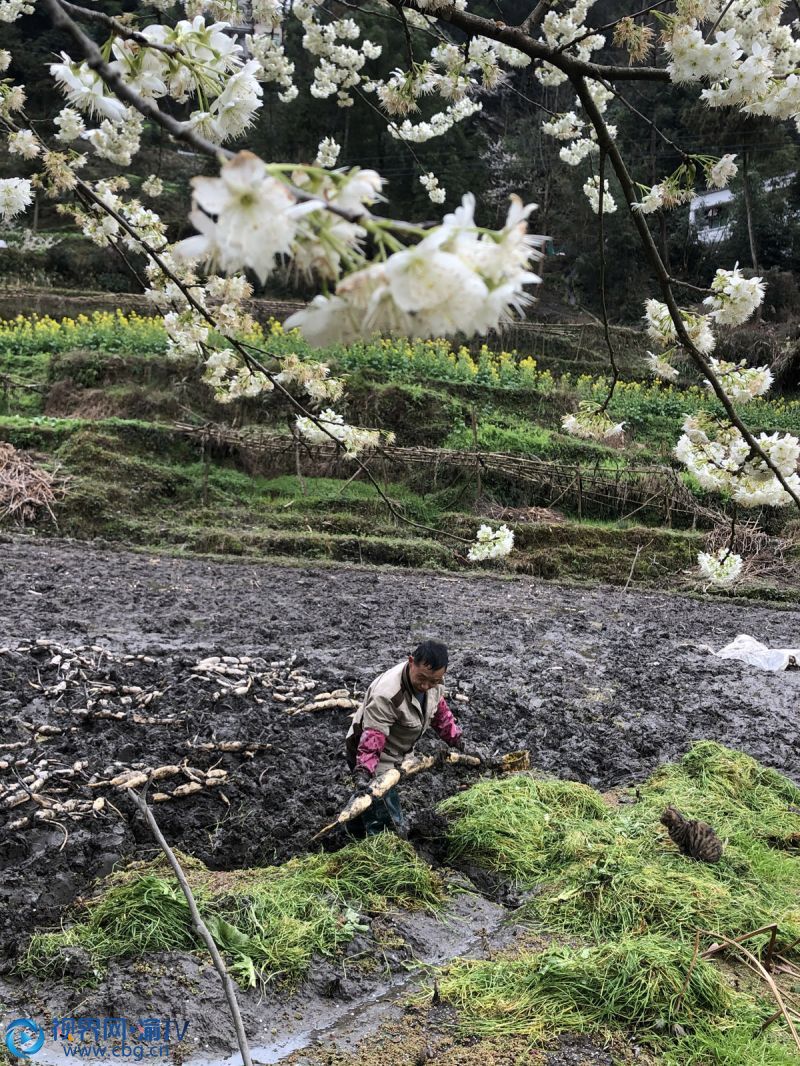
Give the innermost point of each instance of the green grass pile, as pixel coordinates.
(632, 983)
(510, 825)
(268, 921)
(612, 878)
(636, 985)
(604, 873)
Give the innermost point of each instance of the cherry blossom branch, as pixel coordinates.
(610, 25)
(373, 13)
(119, 28)
(608, 145)
(517, 38)
(179, 130)
(114, 81)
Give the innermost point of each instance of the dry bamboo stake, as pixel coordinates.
(690, 971)
(199, 925)
(754, 964)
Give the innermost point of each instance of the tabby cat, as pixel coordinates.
(695, 839)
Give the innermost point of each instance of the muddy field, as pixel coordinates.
(104, 664)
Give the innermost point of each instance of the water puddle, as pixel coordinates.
(468, 924)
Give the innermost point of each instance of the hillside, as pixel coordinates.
(151, 459)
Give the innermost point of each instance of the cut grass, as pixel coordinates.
(268, 921)
(635, 985)
(602, 873)
(612, 878)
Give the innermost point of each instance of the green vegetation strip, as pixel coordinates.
(636, 984)
(268, 921)
(652, 410)
(612, 878)
(607, 873)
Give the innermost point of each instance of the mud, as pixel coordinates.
(600, 685)
(340, 1001)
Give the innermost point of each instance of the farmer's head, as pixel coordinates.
(427, 665)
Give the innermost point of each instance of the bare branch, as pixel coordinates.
(602, 242)
(687, 285)
(635, 111)
(406, 31)
(199, 925)
(536, 16)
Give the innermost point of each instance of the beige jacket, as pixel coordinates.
(391, 707)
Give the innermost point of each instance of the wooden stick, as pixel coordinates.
(770, 948)
(633, 566)
(199, 925)
(716, 948)
(754, 964)
(689, 972)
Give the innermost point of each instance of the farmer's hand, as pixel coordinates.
(472, 751)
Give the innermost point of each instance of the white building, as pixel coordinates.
(709, 215)
(710, 212)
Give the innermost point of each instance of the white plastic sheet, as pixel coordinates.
(754, 653)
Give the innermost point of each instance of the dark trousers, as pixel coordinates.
(385, 813)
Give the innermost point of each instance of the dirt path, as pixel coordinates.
(600, 685)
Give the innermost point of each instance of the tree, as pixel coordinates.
(203, 82)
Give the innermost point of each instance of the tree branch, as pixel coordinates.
(536, 17)
(115, 83)
(722, 15)
(635, 111)
(199, 925)
(179, 130)
(602, 242)
(519, 39)
(607, 144)
(119, 28)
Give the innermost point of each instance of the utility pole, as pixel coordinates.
(748, 208)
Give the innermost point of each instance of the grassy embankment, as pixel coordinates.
(101, 399)
(615, 902)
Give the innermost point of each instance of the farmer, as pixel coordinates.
(397, 709)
